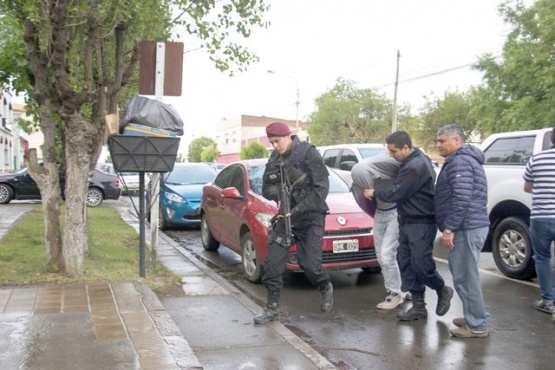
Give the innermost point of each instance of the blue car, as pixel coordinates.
(180, 194)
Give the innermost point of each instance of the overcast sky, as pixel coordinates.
(311, 43)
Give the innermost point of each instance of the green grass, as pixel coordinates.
(113, 252)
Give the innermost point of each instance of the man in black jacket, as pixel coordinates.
(413, 191)
(305, 172)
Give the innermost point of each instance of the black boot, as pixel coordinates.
(327, 297)
(271, 312)
(444, 300)
(418, 310)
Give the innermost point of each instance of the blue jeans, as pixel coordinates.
(463, 264)
(542, 233)
(386, 242)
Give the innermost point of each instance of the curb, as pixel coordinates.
(317, 359)
(314, 356)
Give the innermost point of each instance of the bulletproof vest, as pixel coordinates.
(297, 166)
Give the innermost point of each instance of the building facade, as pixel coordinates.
(9, 140)
(35, 139)
(232, 134)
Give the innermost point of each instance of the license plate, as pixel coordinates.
(342, 246)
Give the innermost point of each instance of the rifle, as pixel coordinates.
(285, 205)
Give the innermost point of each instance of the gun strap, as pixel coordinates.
(299, 180)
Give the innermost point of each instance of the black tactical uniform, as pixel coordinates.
(308, 212)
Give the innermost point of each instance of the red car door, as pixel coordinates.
(233, 210)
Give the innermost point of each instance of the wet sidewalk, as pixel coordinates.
(89, 326)
(123, 325)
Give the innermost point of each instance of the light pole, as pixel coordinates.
(394, 121)
(298, 97)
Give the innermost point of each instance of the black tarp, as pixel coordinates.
(151, 113)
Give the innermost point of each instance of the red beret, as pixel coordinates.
(277, 129)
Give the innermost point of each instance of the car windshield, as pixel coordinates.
(370, 152)
(337, 185)
(189, 175)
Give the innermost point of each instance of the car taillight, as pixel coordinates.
(117, 181)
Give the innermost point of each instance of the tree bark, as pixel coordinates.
(79, 150)
(45, 177)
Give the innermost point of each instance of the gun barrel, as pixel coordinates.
(285, 204)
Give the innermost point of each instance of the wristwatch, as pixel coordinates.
(447, 231)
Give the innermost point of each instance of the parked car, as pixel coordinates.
(180, 194)
(217, 166)
(106, 167)
(20, 186)
(508, 204)
(234, 213)
(345, 156)
(129, 181)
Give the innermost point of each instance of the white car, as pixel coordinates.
(342, 157)
(345, 156)
(129, 182)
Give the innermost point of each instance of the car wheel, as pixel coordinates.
(208, 241)
(6, 194)
(249, 259)
(94, 197)
(512, 250)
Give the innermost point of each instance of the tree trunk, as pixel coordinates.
(48, 181)
(79, 150)
(46, 177)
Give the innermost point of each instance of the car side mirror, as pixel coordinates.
(232, 193)
(347, 165)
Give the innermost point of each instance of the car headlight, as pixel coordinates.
(174, 197)
(264, 219)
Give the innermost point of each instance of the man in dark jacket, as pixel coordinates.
(413, 191)
(300, 165)
(461, 214)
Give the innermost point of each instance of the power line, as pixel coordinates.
(432, 74)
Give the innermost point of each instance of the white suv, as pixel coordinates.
(345, 156)
(508, 205)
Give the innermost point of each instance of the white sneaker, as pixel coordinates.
(407, 296)
(391, 301)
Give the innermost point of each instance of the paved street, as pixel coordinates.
(355, 335)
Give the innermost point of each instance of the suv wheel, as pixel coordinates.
(512, 250)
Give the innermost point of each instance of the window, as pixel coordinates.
(224, 177)
(255, 178)
(348, 156)
(330, 157)
(188, 175)
(510, 151)
(370, 152)
(238, 180)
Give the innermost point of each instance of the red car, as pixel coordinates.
(234, 213)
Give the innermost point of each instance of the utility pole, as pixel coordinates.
(297, 96)
(394, 121)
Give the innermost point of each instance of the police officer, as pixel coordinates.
(300, 165)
